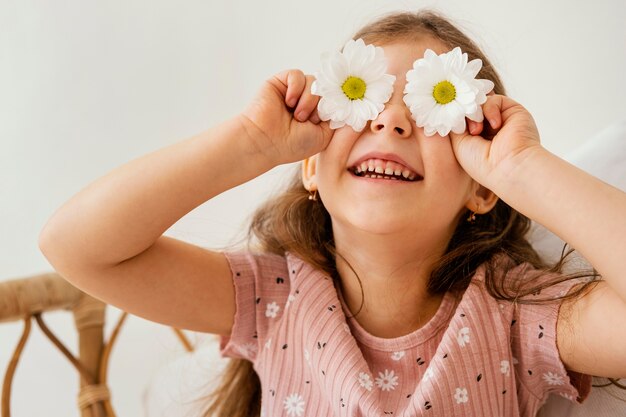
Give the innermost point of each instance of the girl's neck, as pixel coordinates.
(393, 270)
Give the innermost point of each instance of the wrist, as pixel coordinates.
(512, 170)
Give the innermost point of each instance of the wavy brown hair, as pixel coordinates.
(291, 222)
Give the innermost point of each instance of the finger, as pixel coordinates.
(295, 85)
(470, 151)
(308, 101)
(492, 110)
(315, 118)
(475, 128)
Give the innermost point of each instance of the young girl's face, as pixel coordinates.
(432, 203)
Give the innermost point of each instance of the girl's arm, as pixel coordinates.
(107, 239)
(582, 210)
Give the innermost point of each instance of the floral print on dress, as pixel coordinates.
(365, 380)
(460, 395)
(396, 356)
(505, 367)
(290, 300)
(294, 404)
(387, 381)
(248, 349)
(272, 309)
(428, 374)
(553, 379)
(463, 336)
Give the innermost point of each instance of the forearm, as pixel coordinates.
(123, 213)
(582, 210)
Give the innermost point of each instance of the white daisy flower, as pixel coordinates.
(428, 374)
(268, 343)
(353, 85)
(307, 356)
(567, 396)
(294, 404)
(396, 356)
(553, 379)
(505, 367)
(290, 300)
(463, 336)
(441, 92)
(365, 381)
(387, 381)
(460, 395)
(272, 309)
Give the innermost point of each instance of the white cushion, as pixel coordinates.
(177, 387)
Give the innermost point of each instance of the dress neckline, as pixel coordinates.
(415, 338)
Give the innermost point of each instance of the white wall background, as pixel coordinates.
(88, 85)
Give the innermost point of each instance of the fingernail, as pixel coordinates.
(301, 116)
(291, 102)
(492, 122)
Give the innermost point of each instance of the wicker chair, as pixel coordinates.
(27, 298)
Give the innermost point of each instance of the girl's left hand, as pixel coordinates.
(490, 149)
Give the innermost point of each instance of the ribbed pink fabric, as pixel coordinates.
(476, 357)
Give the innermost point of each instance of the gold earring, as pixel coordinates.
(313, 195)
(472, 216)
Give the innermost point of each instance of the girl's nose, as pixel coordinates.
(394, 118)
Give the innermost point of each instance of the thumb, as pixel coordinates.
(471, 151)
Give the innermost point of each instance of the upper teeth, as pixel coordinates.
(380, 166)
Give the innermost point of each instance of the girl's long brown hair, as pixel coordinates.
(291, 222)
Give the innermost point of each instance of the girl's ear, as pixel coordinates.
(482, 199)
(308, 173)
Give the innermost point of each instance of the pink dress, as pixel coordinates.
(477, 356)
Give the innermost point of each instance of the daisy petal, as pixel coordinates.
(365, 67)
(451, 79)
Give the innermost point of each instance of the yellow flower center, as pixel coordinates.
(444, 92)
(354, 88)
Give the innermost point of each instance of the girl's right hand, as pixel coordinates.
(282, 120)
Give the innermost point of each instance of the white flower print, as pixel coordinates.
(262, 412)
(505, 367)
(568, 396)
(248, 349)
(387, 381)
(463, 336)
(346, 328)
(272, 309)
(515, 361)
(307, 356)
(553, 379)
(428, 374)
(396, 356)
(461, 395)
(366, 381)
(268, 343)
(294, 404)
(290, 300)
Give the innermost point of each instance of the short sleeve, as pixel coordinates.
(539, 368)
(261, 286)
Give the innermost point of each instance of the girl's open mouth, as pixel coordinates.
(386, 170)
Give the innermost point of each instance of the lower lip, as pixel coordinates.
(382, 180)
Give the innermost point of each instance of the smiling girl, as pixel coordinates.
(393, 276)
